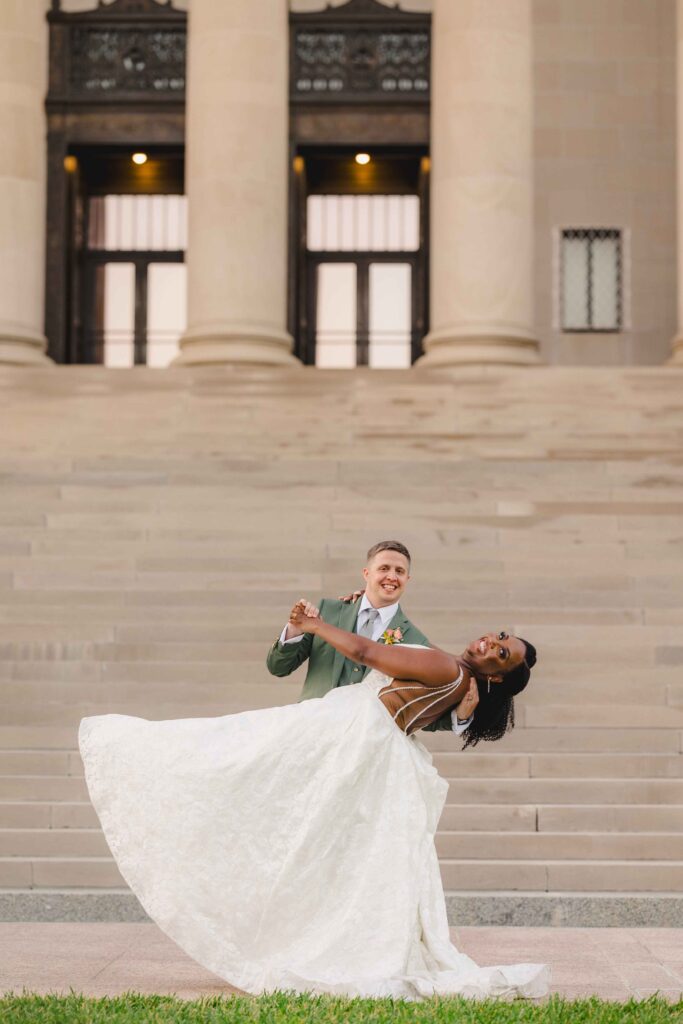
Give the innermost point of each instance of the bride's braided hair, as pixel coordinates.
(494, 715)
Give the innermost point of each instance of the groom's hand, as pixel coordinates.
(469, 702)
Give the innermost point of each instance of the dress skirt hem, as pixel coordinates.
(290, 848)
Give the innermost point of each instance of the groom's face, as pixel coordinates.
(386, 576)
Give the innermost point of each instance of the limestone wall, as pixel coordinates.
(605, 157)
(604, 106)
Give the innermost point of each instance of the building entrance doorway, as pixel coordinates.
(128, 270)
(134, 280)
(114, 289)
(362, 259)
(362, 312)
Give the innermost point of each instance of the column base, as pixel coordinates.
(676, 357)
(23, 349)
(451, 347)
(235, 344)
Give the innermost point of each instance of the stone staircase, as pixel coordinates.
(155, 527)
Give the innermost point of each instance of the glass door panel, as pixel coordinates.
(390, 315)
(118, 320)
(166, 311)
(336, 316)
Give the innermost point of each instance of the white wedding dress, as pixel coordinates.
(291, 847)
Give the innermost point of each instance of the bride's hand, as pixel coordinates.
(305, 616)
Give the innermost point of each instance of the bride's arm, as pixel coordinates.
(429, 666)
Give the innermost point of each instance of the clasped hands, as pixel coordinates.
(305, 616)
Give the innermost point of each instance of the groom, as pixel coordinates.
(378, 616)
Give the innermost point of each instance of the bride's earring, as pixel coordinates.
(488, 685)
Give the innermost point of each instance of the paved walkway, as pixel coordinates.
(108, 959)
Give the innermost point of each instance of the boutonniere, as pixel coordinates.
(392, 636)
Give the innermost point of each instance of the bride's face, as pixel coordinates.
(386, 577)
(495, 654)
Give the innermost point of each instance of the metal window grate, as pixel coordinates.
(591, 279)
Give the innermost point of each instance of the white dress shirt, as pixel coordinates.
(384, 618)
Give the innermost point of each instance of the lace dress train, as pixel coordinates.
(290, 848)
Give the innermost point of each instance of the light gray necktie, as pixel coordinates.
(368, 627)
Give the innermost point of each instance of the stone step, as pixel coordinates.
(36, 737)
(16, 788)
(457, 875)
(564, 765)
(549, 846)
(90, 842)
(229, 651)
(567, 791)
(640, 819)
(618, 716)
(37, 588)
(59, 872)
(562, 876)
(40, 762)
(53, 842)
(62, 678)
(551, 740)
(49, 609)
(83, 681)
(562, 818)
(48, 814)
(150, 581)
(243, 664)
(227, 641)
(439, 623)
(122, 693)
(64, 713)
(571, 740)
(470, 764)
(68, 550)
(611, 818)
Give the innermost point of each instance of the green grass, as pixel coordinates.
(284, 1008)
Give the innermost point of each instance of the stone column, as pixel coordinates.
(23, 82)
(236, 175)
(677, 342)
(482, 184)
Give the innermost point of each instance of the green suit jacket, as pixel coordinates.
(325, 664)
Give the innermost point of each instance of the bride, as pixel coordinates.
(293, 847)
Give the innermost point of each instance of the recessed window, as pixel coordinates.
(357, 223)
(591, 279)
(138, 223)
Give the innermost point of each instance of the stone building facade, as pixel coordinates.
(525, 178)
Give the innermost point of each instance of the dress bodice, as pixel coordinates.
(413, 704)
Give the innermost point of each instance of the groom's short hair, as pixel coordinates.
(388, 545)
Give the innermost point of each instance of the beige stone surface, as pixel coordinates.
(604, 156)
(481, 184)
(601, 94)
(23, 79)
(109, 959)
(237, 183)
(677, 341)
(152, 539)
